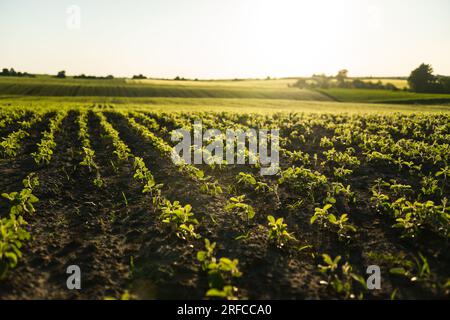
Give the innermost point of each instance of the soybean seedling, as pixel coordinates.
(278, 232)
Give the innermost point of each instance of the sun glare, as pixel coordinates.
(297, 35)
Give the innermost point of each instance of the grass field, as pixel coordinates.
(226, 89)
(399, 83)
(47, 86)
(385, 96)
(265, 106)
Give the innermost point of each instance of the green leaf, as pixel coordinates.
(201, 256)
(250, 213)
(327, 259)
(216, 293)
(200, 174)
(332, 218)
(398, 271)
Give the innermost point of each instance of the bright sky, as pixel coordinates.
(225, 38)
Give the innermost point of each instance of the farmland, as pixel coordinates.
(272, 89)
(257, 89)
(89, 180)
(385, 96)
(399, 83)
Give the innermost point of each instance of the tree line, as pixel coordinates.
(62, 75)
(423, 80)
(13, 73)
(341, 80)
(420, 80)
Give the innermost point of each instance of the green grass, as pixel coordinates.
(220, 104)
(384, 96)
(224, 94)
(399, 83)
(257, 89)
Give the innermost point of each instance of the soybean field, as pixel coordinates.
(94, 185)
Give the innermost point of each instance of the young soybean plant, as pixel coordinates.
(237, 205)
(145, 177)
(247, 179)
(278, 232)
(23, 200)
(211, 188)
(12, 229)
(445, 173)
(339, 225)
(121, 150)
(220, 273)
(11, 144)
(181, 218)
(12, 236)
(48, 144)
(88, 153)
(342, 280)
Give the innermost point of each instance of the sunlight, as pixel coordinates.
(298, 35)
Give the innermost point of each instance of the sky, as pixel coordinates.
(212, 39)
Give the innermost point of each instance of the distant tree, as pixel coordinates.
(342, 76)
(379, 85)
(300, 83)
(61, 74)
(88, 77)
(12, 72)
(177, 78)
(139, 76)
(358, 84)
(444, 83)
(322, 81)
(390, 86)
(422, 79)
